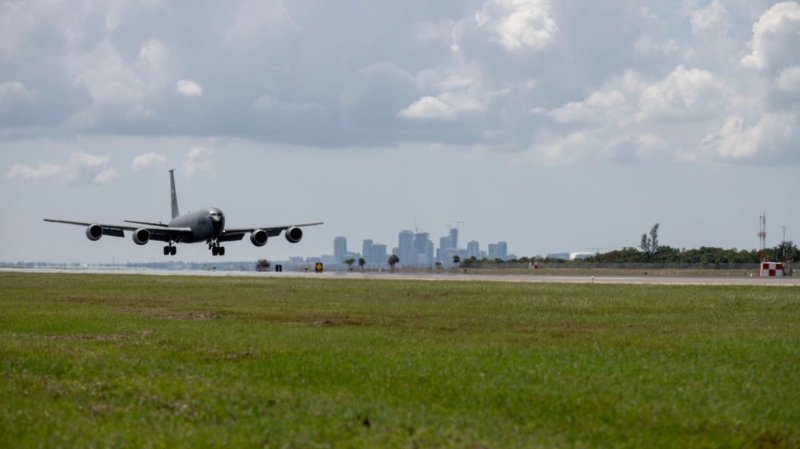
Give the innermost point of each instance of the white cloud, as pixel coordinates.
(684, 94)
(789, 79)
(153, 64)
(106, 76)
(199, 159)
(597, 107)
(82, 168)
(645, 46)
(772, 134)
(428, 108)
(518, 24)
(188, 88)
(446, 106)
(118, 88)
(775, 38)
(711, 18)
(106, 176)
(42, 171)
(461, 92)
(147, 160)
(562, 150)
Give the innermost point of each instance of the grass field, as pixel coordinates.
(138, 361)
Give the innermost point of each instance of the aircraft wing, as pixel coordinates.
(272, 231)
(157, 232)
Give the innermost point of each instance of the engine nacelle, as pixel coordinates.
(259, 237)
(94, 232)
(293, 234)
(141, 236)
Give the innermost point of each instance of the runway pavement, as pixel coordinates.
(449, 277)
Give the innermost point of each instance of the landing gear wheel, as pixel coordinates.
(166, 251)
(221, 250)
(214, 250)
(173, 250)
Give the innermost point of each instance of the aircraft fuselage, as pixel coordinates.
(206, 224)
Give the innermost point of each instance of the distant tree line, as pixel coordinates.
(650, 251)
(786, 251)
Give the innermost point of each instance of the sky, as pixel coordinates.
(555, 126)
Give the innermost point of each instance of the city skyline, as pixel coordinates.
(416, 249)
(556, 126)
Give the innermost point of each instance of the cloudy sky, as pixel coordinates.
(557, 126)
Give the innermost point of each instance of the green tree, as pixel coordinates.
(787, 252)
(456, 259)
(361, 263)
(350, 263)
(262, 265)
(649, 243)
(393, 260)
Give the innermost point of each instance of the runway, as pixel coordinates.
(444, 277)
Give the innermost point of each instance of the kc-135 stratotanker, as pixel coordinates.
(205, 225)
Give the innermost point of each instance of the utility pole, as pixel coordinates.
(762, 236)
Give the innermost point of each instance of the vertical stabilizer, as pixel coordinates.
(175, 211)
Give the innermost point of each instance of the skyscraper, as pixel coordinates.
(474, 249)
(405, 248)
(422, 241)
(498, 250)
(340, 249)
(453, 237)
(366, 250)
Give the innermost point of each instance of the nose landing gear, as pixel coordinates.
(216, 250)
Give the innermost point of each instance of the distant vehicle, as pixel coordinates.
(205, 225)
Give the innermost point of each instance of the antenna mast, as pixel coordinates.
(762, 236)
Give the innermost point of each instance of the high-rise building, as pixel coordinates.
(498, 250)
(378, 255)
(474, 249)
(428, 260)
(423, 255)
(366, 250)
(374, 253)
(405, 248)
(340, 249)
(444, 245)
(453, 237)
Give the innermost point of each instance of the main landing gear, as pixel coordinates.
(216, 250)
(170, 250)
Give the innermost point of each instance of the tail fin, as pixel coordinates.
(175, 211)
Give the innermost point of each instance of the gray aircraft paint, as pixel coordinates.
(205, 225)
(175, 211)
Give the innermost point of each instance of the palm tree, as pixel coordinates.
(361, 263)
(350, 263)
(393, 260)
(456, 259)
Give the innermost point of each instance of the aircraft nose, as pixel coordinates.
(217, 222)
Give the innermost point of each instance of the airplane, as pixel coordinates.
(205, 225)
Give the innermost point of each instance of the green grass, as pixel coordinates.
(138, 361)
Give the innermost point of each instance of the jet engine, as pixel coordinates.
(94, 232)
(293, 234)
(259, 237)
(141, 236)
